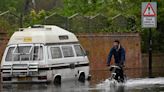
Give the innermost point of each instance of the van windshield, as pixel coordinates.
(24, 53)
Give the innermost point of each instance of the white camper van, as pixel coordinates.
(44, 53)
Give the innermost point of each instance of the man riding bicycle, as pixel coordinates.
(119, 55)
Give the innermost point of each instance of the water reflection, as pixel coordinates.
(23, 87)
(99, 83)
(66, 86)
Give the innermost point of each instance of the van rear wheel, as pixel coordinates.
(82, 77)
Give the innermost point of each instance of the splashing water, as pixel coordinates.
(132, 82)
(109, 85)
(144, 81)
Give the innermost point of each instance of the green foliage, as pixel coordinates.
(16, 5)
(6, 27)
(131, 9)
(35, 17)
(85, 7)
(157, 40)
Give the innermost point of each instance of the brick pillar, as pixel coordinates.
(3, 42)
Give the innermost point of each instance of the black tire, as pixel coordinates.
(57, 80)
(82, 77)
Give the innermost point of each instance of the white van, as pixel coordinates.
(44, 53)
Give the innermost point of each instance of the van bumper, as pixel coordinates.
(25, 79)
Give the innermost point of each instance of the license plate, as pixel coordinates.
(24, 79)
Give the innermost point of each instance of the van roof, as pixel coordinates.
(42, 34)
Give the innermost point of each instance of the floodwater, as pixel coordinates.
(136, 82)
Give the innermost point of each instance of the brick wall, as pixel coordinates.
(99, 46)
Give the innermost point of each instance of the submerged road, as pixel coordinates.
(99, 83)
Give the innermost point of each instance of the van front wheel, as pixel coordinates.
(57, 80)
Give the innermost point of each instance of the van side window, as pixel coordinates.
(79, 51)
(55, 52)
(67, 51)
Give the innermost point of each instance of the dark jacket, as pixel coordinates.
(119, 55)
